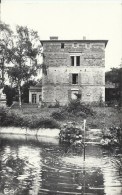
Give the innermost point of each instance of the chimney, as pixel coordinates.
(84, 38)
(53, 38)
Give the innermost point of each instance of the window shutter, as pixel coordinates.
(79, 78)
(72, 60)
(77, 60)
(69, 95)
(70, 78)
(80, 93)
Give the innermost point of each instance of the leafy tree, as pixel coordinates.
(115, 76)
(11, 94)
(5, 44)
(24, 49)
(25, 90)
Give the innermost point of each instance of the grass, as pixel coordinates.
(25, 118)
(103, 117)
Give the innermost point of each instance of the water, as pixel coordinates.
(41, 166)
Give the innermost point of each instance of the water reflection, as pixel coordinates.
(35, 167)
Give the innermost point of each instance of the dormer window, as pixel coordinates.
(62, 45)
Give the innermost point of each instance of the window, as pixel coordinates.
(34, 98)
(74, 78)
(40, 98)
(74, 94)
(75, 60)
(72, 60)
(75, 45)
(62, 45)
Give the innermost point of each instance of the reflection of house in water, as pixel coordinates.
(45, 168)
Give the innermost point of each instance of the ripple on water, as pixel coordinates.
(34, 169)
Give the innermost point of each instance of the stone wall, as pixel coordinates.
(90, 54)
(57, 84)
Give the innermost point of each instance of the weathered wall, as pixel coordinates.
(90, 54)
(91, 76)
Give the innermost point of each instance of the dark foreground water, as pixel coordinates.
(42, 166)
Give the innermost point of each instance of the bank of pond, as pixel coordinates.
(72, 135)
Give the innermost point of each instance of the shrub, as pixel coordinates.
(56, 105)
(11, 118)
(58, 115)
(75, 106)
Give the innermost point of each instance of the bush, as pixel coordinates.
(74, 108)
(58, 115)
(56, 105)
(112, 137)
(11, 118)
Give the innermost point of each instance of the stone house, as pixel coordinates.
(73, 67)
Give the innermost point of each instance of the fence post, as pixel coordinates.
(84, 128)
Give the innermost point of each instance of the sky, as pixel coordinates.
(71, 19)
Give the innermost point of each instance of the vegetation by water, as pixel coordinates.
(72, 135)
(112, 137)
(74, 108)
(49, 117)
(17, 119)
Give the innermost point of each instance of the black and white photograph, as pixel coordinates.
(60, 97)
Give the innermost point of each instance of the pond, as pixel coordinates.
(41, 166)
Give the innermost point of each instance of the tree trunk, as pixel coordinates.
(19, 90)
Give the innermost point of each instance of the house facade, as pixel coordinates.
(73, 67)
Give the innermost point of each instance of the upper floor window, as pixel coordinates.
(75, 60)
(75, 45)
(62, 45)
(74, 78)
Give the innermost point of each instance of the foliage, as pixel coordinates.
(11, 118)
(25, 90)
(58, 115)
(22, 54)
(74, 108)
(11, 94)
(5, 42)
(112, 137)
(71, 134)
(113, 75)
(56, 105)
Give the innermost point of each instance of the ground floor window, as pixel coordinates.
(74, 94)
(40, 98)
(34, 98)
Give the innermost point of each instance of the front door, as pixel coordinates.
(34, 98)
